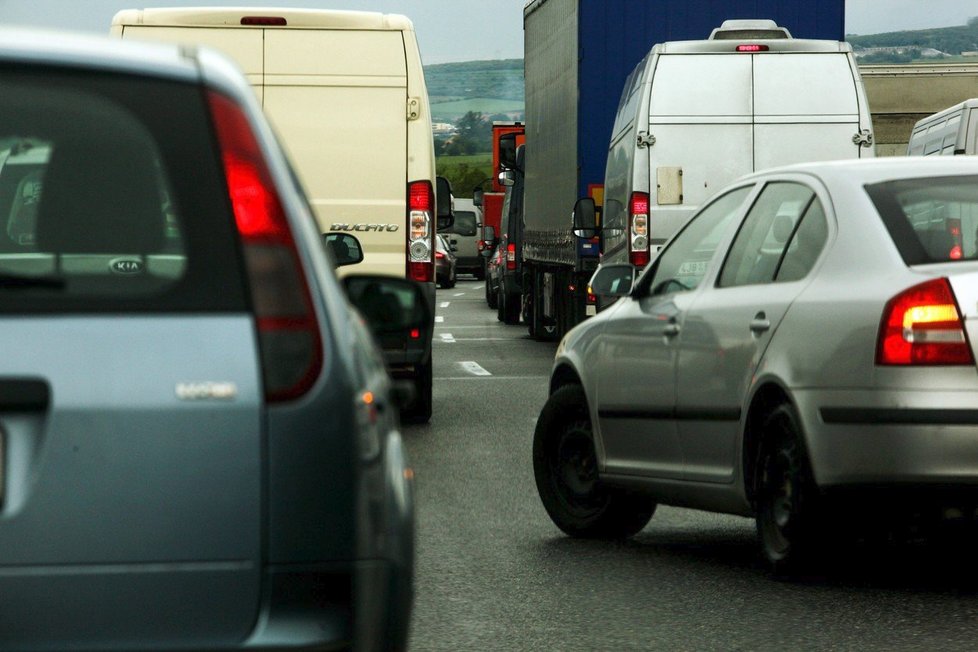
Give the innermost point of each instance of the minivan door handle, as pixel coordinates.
(24, 395)
(759, 323)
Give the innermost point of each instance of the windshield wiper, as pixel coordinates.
(16, 282)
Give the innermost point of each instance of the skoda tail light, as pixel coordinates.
(288, 332)
(923, 326)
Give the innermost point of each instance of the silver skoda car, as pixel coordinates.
(198, 447)
(808, 336)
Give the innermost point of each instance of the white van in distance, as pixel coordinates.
(346, 94)
(951, 131)
(696, 115)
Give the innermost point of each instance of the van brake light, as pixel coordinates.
(265, 21)
(638, 229)
(922, 326)
(752, 47)
(421, 204)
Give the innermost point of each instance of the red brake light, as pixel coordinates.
(288, 332)
(752, 47)
(638, 229)
(439, 255)
(421, 203)
(265, 21)
(510, 256)
(922, 326)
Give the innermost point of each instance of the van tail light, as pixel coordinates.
(510, 256)
(752, 47)
(264, 21)
(421, 206)
(922, 326)
(638, 229)
(288, 332)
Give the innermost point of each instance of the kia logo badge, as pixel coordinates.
(126, 266)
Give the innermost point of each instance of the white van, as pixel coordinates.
(346, 94)
(951, 131)
(695, 115)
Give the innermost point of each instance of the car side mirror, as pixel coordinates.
(585, 218)
(507, 178)
(488, 240)
(614, 280)
(393, 307)
(343, 248)
(477, 194)
(507, 150)
(443, 196)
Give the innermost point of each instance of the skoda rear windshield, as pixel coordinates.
(112, 196)
(931, 220)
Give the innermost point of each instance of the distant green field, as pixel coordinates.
(448, 111)
(472, 160)
(465, 172)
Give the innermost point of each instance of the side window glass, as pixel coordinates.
(805, 246)
(760, 244)
(683, 263)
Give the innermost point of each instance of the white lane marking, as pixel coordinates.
(473, 368)
(483, 339)
(447, 337)
(459, 294)
(478, 287)
(535, 379)
(439, 319)
(444, 304)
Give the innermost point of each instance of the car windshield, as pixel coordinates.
(930, 220)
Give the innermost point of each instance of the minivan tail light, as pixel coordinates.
(288, 332)
(421, 205)
(752, 47)
(638, 229)
(510, 256)
(922, 326)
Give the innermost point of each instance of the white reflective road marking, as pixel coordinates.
(444, 304)
(473, 368)
(459, 294)
(439, 319)
(447, 337)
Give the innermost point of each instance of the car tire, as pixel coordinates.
(419, 411)
(491, 299)
(479, 273)
(450, 283)
(499, 305)
(566, 473)
(511, 307)
(789, 514)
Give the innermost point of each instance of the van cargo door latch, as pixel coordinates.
(413, 108)
(863, 138)
(645, 139)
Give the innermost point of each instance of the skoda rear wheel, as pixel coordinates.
(789, 512)
(565, 467)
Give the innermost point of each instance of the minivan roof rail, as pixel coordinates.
(749, 29)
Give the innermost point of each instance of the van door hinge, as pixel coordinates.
(413, 108)
(863, 138)
(645, 139)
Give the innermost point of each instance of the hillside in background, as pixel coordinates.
(492, 88)
(917, 45)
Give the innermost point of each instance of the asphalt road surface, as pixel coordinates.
(493, 573)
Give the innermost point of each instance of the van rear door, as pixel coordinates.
(700, 116)
(806, 108)
(338, 100)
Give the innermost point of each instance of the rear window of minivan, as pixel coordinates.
(930, 220)
(112, 196)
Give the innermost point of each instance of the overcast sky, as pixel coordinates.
(466, 30)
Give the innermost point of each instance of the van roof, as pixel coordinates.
(231, 17)
(749, 29)
(944, 113)
(773, 46)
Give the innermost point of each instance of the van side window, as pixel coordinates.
(684, 262)
(763, 238)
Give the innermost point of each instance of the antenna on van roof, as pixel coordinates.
(749, 29)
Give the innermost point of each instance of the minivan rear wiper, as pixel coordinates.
(16, 281)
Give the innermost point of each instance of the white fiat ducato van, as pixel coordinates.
(695, 115)
(346, 94)
(951, 131)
